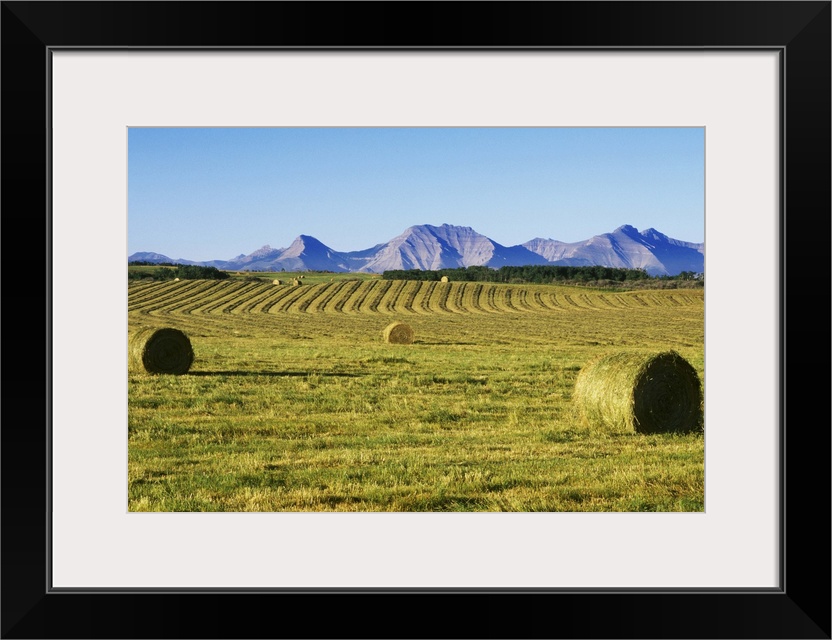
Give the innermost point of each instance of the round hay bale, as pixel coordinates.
(160, 351)
(398, 333)
(443, 279)
(296, 282)
(277, 281)
(645, 393)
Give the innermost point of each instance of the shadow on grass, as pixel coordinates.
(277, 374)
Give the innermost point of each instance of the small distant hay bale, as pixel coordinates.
(176, 279)
(443, 279)
(277, 281)
(160, 351)
(301, 277)
(398, 333)
(296, 282)
(643, 393)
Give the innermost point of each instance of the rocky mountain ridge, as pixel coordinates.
(429, 247)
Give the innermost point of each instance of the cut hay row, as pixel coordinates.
(357, 296)
(474, 297)
(502, 299)
(324, 302)
(652, 300)
(207, 297)
(500, 295)
(198, 296)
(166, 350)
(317, 293)
(334, 299)
(360, 296)
(514, 297)
(637, 392)
(172, 296)
(382, 289)
(230, 297)
(143, 291)
(274, 297)
(522, 296)
(138, 287)
(307, 295)
(455, 302)
(612, 301)
(638, 299)
(488, 300)
(670, 299)
(423, 301)
(292, 302)
(546, 302)
(414, 300)
(256, 298)
(419, 298)
(409, 294)
(443, 293)
(393, 295)
(570, 301)
(209, 302)
(243, 297)
(254, 293)
(157, 292)
(260, 299)
(588, 301)
(642, 299)
(281, 302)
(688, 300)
(345, 296)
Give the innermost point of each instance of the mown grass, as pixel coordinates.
(312, 411)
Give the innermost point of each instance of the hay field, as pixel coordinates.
(295, 402)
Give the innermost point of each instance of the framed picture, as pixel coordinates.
(77, 77)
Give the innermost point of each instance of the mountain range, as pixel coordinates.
(429, 247)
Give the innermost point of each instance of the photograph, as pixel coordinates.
(416, 319)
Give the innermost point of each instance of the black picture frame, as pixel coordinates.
(800, 608)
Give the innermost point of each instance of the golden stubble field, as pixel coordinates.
(295, 403)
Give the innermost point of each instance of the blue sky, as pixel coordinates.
(214, 193)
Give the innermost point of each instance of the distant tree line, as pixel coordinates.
(536, 274)
(171, 271)
(541, 274)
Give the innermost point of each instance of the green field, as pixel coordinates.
(295, 403)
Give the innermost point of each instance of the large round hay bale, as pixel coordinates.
(398, 333)
(160, 351)
(443, 279)
(645, 393)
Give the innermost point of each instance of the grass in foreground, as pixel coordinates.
(313, 412)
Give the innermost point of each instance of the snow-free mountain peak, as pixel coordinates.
(430, 247)
(627, 229)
